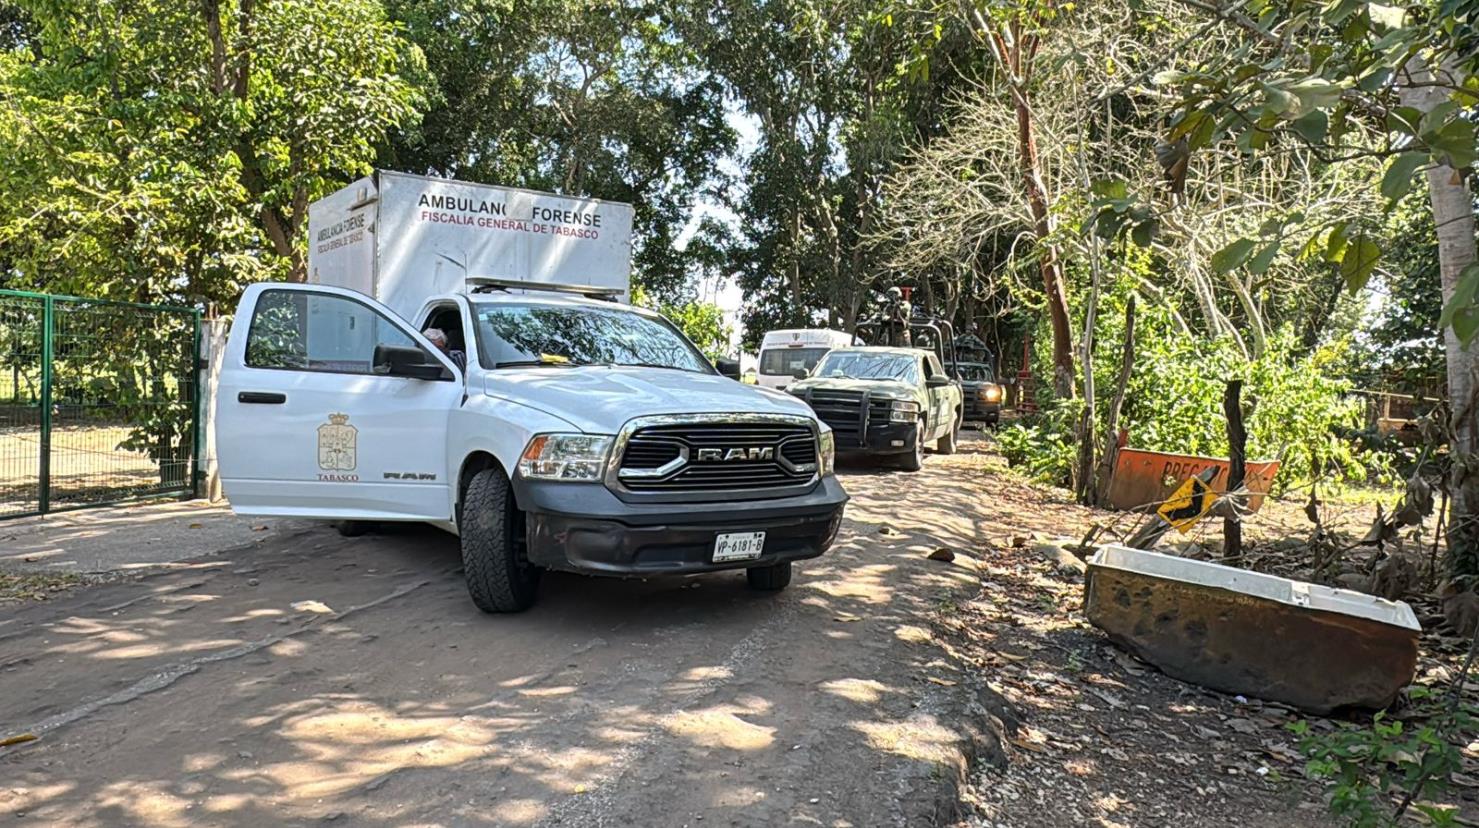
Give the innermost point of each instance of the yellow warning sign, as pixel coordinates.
(1191, 501)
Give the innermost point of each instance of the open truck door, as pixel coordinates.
(330, 406)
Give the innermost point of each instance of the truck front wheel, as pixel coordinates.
(494, 550)
(914, 460)
(769, 578)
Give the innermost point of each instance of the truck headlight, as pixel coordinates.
(903, 411)
(991, 393)
(827, 448)
(575, 457)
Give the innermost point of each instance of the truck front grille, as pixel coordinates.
(718, 456)
(849, 413)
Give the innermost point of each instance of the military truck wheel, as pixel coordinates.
(494, 555)
(769, 578)
(914, 460)
(948, 441)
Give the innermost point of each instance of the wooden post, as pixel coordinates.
(1237, 446)
(1110, 455)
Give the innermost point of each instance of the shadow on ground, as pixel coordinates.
(321, 678)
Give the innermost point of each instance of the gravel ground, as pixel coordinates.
(309, 678)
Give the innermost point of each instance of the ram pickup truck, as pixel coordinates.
(546, 424)
(886, 402)
(582, 435)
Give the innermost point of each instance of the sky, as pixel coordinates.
(723, 291)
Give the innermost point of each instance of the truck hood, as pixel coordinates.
(599, 400)
(892, 388)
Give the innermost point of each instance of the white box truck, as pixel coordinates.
(555, 428)
(400, 238)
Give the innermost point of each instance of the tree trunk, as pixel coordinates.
(1051, 269)
(1014, 46)
(793, 272)
(1237, 449)
(1112, 426)
(1453, 214)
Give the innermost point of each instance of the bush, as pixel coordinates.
(1368, 767)
(1296, 410)
(1044, 447)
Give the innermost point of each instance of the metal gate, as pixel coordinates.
(99, 402)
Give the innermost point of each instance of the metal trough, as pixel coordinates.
(1305, 645)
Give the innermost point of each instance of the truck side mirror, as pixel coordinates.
(728, 367)
(407, 361)
(937, 381)
(800, 373)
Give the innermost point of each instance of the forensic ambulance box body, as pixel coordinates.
(400, 238)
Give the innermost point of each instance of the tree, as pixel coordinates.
(1014, 33)
(597, 98)
(832, 113)
(1402, 349)
(702, 322)
(169, 149)
(1354, 80)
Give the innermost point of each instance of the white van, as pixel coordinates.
(783, 353)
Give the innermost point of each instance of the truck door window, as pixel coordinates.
(449, 321)
(300, 331)
(934, 366)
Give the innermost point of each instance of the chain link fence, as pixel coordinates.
(99, 402)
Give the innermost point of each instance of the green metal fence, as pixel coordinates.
(99, 402)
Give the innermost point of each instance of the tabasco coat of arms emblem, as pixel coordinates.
(337, 444)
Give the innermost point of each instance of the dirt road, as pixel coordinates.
(321, 679)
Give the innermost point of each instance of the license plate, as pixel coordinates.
(738, 546)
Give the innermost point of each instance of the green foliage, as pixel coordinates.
(701, 322)
(1401, 349)
(1368, 768)
(600, 98)
(1364, 79)
(167, 150)
(1298, 411)
(1295, 406)
(837, 103)
(1044, 447)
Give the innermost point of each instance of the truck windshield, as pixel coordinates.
(864, 365)
(975, 372)
(554, 335)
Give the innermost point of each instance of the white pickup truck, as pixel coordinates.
(581, 435)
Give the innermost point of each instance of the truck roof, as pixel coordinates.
(547, 298)
(799, 337)
(884, 349)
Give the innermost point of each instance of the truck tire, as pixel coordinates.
(769, 578)
(499, 575)
(948, 440)
(913, 461)
(354, 528)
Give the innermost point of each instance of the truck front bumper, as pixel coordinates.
(882, 438)
(586, 528)
(978, 410)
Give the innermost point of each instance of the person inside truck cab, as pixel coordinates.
(439, 339)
